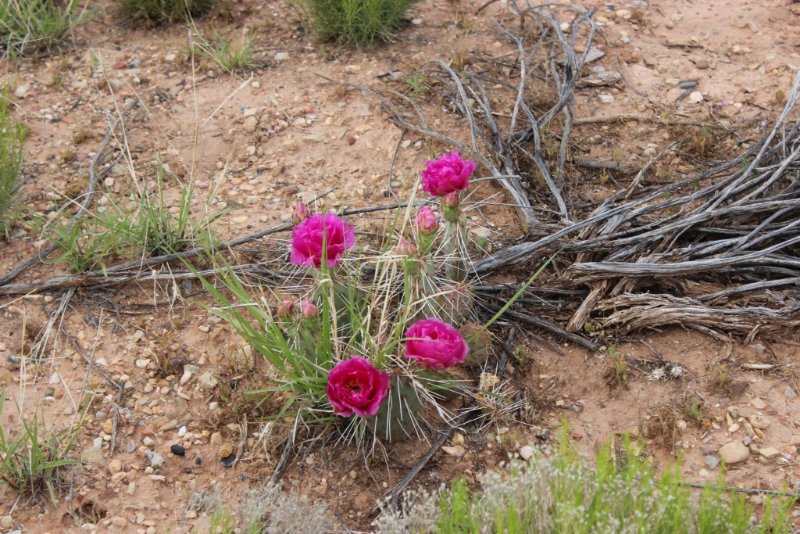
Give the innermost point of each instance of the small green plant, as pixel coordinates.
(416, 85)
(12, 137)
(149, 229)
(231, 55)
(617, 374)
(563, 494)
(165, 10)
(693, 409)
(359, 23)
(37, 25)
(33, 462)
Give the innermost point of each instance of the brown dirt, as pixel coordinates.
(314, 136)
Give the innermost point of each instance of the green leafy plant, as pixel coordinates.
(622, 493)
(12, 137)
(37, 25)
(33, 462)
(359, 23)
(165, 10)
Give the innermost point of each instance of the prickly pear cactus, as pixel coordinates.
(396, 419)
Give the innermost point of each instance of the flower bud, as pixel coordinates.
(426, 221)
(300, 213)
(285, 309)
(451, 199)
(405, 247)
(307, 309)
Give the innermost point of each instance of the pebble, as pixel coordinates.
(789, 392)
(185, 377)
(281, 56)
(758, 404)
(6, 521)
(456, 450)
(526, 452)
(543, 435)
(250, 124)
(208, 381)
(228, 460)
(734, 452)
(759, 421)
(154, 459)
(733, 428)
(147, 441)
(114, 466)
(769, 452)
(177, 450)
(118, 521)
(225, 450)
(142, 363)
(695, 97)
(712, 461)
(701, 64)
(606, 98)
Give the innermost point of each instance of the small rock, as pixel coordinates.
(543, 435)
(789, 392)
(118, 521)
(171, 57)
(759, 421)
(758, 404)
(154, 459)
(147, 441)
(281, 56)
(208, 381)
(712, 461)
(457, 450)
(695, 97)
(93, 455)
(185, 377)
(250, 124)
(701, 64)
(6, 521)
(142, 363)
(682, 425)
(177, 450)
(22, 90)
(228, 460)
(526, 452)
(114, 466)
(225, 450)
(733, 428)
(606, 98)
(734, 452)
(769, 452)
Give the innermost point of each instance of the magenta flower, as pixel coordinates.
(447, 174)
(308, 309)
(355, 386)
(308, 236)
(426, 220)
(435, 344)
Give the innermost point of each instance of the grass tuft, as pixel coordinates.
(158, 11)
(358, 23)
(33, 462)
(231, 55)
(12, 137)
(36, 25)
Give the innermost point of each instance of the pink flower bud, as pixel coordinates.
(451, 199)
(307, 309)
(426, 221)
(300, 213)
(405, 247)
(286, 308)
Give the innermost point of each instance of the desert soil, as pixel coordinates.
(286, 132)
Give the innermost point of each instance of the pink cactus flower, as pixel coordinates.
(435, 344)
(447, 174)
(355, 386)
(309, 235)
(285, 309)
